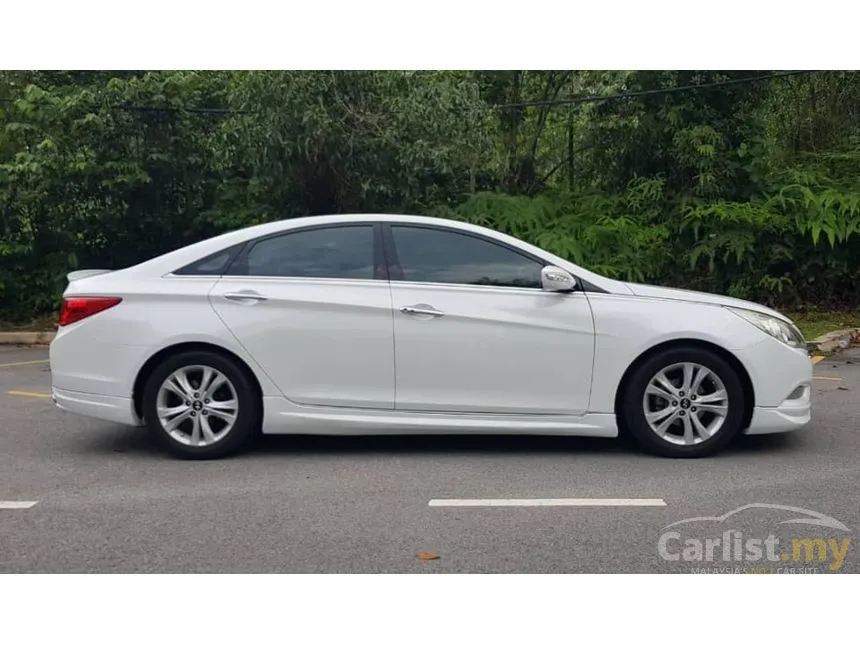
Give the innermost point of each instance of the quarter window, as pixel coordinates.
(215, 264)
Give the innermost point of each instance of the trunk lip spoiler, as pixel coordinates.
(85, 273)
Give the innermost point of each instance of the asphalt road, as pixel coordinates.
(107, 501)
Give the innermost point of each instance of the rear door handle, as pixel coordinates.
(422, 310)
(245, 296)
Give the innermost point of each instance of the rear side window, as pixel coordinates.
(334, 252)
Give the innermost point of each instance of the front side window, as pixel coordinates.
(433, 255)
(334, 252)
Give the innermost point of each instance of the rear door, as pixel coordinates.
(313, 307)
(475, 332)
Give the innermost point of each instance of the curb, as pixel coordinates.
(834, 341)
(26, 337)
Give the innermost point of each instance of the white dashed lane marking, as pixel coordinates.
(562, 501)
(11, 506)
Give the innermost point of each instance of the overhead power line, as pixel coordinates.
(192, 110)
(594, 98)
(575, 100)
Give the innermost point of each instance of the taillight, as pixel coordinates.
(75, 309)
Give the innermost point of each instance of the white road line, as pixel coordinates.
(16, 505)
(562, 501)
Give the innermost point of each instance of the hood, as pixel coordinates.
(667, 293)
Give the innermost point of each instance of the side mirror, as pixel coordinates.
(555, 279)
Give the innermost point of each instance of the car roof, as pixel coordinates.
(173, 260)
(185, 255)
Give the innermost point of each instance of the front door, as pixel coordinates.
(474, 331)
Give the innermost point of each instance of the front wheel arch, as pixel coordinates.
(743, 375)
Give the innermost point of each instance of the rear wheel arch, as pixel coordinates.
(731, 359)
(162, 355)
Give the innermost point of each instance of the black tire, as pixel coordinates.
(632, 412)
(248, 415)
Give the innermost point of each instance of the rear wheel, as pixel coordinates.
(684, 402)
(201, 405)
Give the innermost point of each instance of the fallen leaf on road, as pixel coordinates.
(426, 555)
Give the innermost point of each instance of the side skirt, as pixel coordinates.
(281, 416)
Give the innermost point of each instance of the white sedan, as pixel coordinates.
(385, 324)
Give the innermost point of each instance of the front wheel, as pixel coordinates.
(684, 402)
(200, 405)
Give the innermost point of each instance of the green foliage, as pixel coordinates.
(85, 180)
(750, 189)
(618, 236)
(327, 142)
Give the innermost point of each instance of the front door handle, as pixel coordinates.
(422, 310)
(244, 296)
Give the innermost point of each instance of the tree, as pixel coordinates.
(330, 142)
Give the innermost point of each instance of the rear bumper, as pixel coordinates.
(98, 406)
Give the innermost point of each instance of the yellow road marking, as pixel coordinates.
(817, 359)
(34, 395)
(23, 363)
(827, 378)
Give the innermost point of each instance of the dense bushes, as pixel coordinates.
(799, 247)
(749, 189)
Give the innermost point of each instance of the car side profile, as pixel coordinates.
(387, 324)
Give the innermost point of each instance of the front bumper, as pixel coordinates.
(793, 414)
(782, 384)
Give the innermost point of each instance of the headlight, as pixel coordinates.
(776, 327)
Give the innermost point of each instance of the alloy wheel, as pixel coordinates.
(197, 405)
(686, 403)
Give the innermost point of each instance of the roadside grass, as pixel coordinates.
(815, 323)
